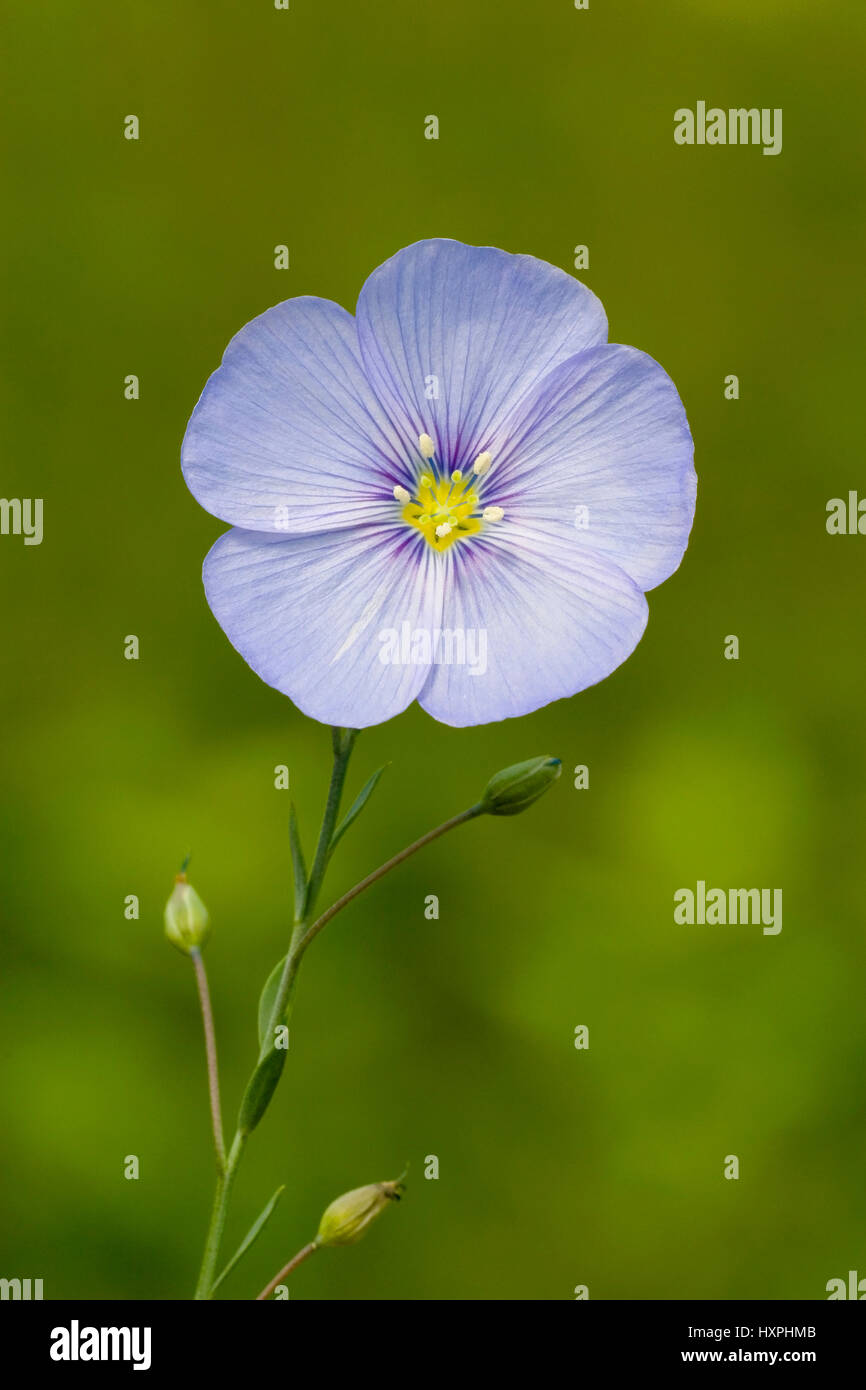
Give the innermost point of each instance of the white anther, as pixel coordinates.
(443, 530)
(426, 445)
(482, 464)
(493, 513)
(402, 495)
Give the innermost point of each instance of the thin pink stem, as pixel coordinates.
(212, 1068)
(287, 1270)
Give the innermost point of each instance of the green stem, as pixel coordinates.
(382, 870)
(343, 741)
(302, 936)
(225, 1182)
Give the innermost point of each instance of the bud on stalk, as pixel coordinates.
(515, 788)
(187, 923)
(346, 1220)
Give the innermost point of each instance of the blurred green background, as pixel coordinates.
(453, 1037)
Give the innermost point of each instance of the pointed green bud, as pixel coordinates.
(347, 1219)
(187, 924)
(514, 788)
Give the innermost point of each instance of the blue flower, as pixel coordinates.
(458, 496)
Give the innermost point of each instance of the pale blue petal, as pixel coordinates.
(312, 615)
(554, 618)
(479, 326)
(288, 434)
(603, 449)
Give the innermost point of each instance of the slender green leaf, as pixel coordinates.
(267, 999)
(299, 868)
(260, 1088)
(356, 808)
(251, 1236)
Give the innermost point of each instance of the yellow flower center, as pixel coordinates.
(445, 510)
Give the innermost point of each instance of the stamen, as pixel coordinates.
(482, 464)
(493, 513)
(443, 505)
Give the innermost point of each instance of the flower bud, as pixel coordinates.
(187, 924)
(346, 1219)
(514, 788)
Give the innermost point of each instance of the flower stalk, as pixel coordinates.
(312, 932)
(211, 1053)
(288, 1269)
